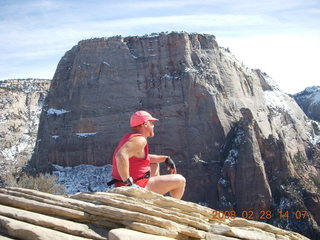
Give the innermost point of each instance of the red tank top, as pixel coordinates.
(137, 166)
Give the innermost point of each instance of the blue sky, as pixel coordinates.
(280, 37)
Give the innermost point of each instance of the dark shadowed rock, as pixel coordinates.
(244, 164)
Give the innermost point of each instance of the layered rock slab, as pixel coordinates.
(122, 213)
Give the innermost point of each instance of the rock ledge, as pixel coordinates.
(122, 213)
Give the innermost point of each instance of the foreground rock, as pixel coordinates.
(122, 213)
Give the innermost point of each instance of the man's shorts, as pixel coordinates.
(141, 182)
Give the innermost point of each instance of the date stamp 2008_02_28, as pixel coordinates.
(260, 215)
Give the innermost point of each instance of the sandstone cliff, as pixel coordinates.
(121, 214)
(241, 143)
(21, 102)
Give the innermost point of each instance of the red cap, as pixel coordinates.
(141, 117)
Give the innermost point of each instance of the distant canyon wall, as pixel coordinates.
(309, 101)
(21, 102)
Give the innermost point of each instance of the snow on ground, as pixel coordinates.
(84, 178)
(315, 140)
(10, 154)
(277, 100)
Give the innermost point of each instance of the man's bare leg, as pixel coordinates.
(173, 183)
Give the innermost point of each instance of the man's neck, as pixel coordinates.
(143, 133)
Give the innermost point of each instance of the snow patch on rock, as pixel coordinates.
(83, 178)
(53, 111)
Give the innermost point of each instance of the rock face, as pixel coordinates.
(240, 142)
(309, 101)
(21, 102)
(121, 214)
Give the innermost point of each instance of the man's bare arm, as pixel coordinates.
(161, 158)
(157, 158)
(131, 148)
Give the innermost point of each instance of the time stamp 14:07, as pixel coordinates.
(259, 215)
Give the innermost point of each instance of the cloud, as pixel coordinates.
(41, 31)
(20, 39)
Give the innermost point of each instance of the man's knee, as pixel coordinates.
(181, 179)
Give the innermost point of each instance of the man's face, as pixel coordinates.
(150, 126)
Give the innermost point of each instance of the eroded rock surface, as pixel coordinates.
(21, 103)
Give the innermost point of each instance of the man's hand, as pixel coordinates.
(170, 165)
(129, 183)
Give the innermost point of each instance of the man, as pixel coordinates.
(133, 165)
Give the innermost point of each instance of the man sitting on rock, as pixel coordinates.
(134, 166)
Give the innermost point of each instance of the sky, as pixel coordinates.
(280, 37)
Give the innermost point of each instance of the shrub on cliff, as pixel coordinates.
(41, 182)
